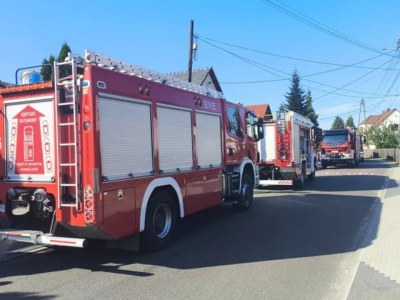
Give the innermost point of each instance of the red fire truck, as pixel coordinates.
(114, 150)
(287, 153)
(341, 146)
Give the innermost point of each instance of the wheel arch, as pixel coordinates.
(168, 183)
(247, 166)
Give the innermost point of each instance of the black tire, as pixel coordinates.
(311, 177)
(352, 164)
(299, 183)
(161, 222)
(245, 199)
(324, 165)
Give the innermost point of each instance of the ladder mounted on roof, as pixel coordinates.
(119, 66)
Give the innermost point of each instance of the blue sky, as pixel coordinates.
(254, 45)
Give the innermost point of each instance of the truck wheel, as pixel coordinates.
(311, 177)
(352, 163)
(299, 183)
(161, 222)
(245, 199)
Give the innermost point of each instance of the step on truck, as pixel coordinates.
(287, 152)
(109, 150)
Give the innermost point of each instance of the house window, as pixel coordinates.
(394, 127)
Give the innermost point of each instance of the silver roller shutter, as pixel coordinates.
(208, 130)
(174, 139)
(125, 138)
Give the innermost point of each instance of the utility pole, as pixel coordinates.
(190, 51)
(362, 109)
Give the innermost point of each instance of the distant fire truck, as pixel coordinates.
(114, 150)
(287, 153)
(341, 147)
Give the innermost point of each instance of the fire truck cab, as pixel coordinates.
(341, 147)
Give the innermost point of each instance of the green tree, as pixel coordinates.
(383, 137)
(295, 98)
(350, 122)
(338, 123)
(310, 110)
(47, 72)
(64, 70)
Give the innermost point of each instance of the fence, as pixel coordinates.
(389, 154)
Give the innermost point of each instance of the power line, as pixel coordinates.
(317, 25)
(354, 111)
(268, 69)
(354, 65)
(350, 82)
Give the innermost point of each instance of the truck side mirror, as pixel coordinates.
(317, 135)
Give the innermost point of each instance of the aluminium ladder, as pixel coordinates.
(67, 132)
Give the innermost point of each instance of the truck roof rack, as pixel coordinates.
(101, 60)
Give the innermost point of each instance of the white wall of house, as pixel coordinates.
(208, 83)
(393, 118)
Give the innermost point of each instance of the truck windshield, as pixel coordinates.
(334, 140)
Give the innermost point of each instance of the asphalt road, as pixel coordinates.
(301, 244)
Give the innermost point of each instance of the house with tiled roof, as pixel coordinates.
(389, 117)
(261, 111)
(204, 77)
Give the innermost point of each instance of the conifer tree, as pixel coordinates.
(47, 71)
(350, 122)
(64, 70)
(310, 110)
(338, 123)
(295, 98)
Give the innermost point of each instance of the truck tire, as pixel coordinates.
(299, 183)
(311, 177)
(352, 163)
(161, 222)
(245, 199)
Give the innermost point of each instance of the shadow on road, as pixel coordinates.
(284, 225)
(368, 163)
(27, 296)
(349, 179)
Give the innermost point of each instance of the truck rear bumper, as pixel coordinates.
(273, 175)
(275, 182)
(40, 238)
(336, 161)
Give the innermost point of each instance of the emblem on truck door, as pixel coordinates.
(101, 84)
